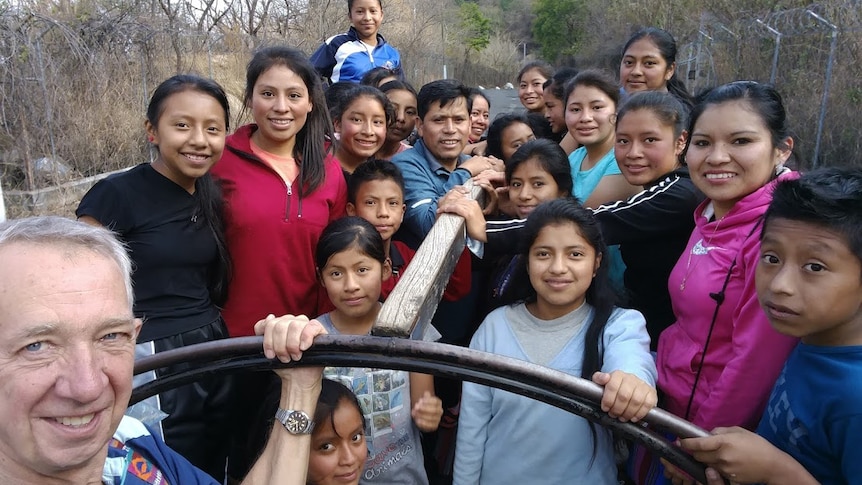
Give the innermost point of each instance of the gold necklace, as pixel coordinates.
(688, 268)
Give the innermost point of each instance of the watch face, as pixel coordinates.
(297, 422)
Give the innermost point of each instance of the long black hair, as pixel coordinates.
(600, 294)
(345, 233)
(208, 197)
(333, 393)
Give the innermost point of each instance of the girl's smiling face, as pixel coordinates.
(190, 135)
(644, 68)
(366, 17)
(404, 103)
(363, 130)
(646, 148)
(531, 185)
(513, 136)
(530, 90)
(561, 265)
(731, 153)
(280, 104)
(590, 116)
(555, 112)
(479, 117)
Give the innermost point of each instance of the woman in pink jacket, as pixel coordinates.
(718, 362)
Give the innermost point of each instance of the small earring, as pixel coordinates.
(150, 138)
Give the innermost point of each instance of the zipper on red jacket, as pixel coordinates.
(287, 209)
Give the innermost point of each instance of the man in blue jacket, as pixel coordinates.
(436, 163)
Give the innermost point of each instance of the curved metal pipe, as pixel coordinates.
(570, 393)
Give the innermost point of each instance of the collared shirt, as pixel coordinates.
(425, 181)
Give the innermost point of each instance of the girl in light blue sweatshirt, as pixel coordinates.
(565, 319)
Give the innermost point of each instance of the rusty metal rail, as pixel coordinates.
(553, 387)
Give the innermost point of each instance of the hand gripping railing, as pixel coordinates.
(567, 392)
(412, 303)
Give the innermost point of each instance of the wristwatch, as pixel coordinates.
(295, 422)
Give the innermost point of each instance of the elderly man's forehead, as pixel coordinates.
(21, 258)
(69, 251)
(52, 289)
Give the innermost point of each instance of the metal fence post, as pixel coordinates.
(777, 34)
(2, 205)
(48, 114)
(826, 83)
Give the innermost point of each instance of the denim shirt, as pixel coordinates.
(425, 181)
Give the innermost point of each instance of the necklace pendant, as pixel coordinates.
(682, 286)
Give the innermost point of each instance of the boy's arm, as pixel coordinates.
(745, 457)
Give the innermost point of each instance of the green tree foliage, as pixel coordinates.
(476, 26)
(558, 27)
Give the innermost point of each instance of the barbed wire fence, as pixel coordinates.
(798, 51)
(73, 92)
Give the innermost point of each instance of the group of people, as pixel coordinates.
(650, 241)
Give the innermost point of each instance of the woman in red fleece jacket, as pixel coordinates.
(281, 188)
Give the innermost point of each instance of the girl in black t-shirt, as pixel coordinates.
(168, 212)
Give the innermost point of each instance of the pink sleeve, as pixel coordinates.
(739, 395)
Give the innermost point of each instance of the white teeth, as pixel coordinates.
(280, 122)
(200, 158)
(719, 175)
(75, 421)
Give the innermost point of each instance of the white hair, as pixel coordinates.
(63, 232)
